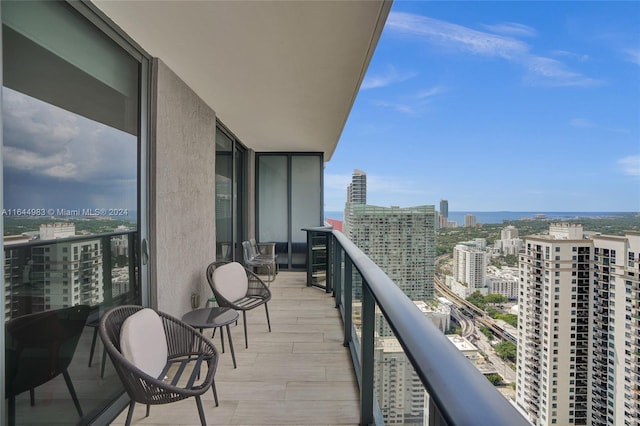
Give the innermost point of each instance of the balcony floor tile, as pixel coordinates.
(299, 374)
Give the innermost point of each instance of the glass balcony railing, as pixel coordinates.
(407, 370)
(44, 280)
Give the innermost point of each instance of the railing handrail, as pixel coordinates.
(75, 238)
(461, 393)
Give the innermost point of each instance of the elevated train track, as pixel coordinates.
(478, 314)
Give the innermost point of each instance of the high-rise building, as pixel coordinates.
(444, 208)
(509, 243)
(469, 220)
(357, 190)
(614, 372)
(578, 328)
(469, 268)
(503, 281)
(400, 392)
(509, 232)
(52, 231)
(443, 216)
(356, 194)
(54, 276)
(401, 241)
(57, 275)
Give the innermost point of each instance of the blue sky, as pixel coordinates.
(521, 106)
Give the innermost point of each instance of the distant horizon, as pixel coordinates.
(520, 211)
(499, 216)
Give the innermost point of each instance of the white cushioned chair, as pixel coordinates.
(158, 357)
(238, 288)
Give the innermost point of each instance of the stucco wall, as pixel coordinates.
(183, 193)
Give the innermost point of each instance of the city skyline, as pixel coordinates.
(466, 101)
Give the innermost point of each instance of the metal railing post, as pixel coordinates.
(367, 352)
(329, 276)
(337, 272)
(348, 297)
(309, 257)
(107, 280)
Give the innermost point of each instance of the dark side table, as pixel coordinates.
(215, 317)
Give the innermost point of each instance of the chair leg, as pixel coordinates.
(148, 409)
(93, 345)
(72, 391)
(244, 322)
(268, 321)
(12, 410)
(215, 392)
(104, 361)
(32, 397)
(130, 413)
(200, 411)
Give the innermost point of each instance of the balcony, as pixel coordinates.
(318, 366)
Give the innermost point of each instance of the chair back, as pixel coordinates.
(247, 252)
(230, 281)
(40, 346)
(111, 324)
(254, 247)
(110, 328)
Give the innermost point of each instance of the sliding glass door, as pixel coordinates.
(73, 171)
(230, 196)
(289, 198)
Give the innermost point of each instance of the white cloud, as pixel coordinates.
(630, 165)
(64, 171)
(390, 76)
(582, 123)
(400, 107)
(633, 55)
(412, 104)
(45, 140)
(571, 55)
(427, 93)
(456, 36)
(542, 71)
(512, 28)
(553, 73)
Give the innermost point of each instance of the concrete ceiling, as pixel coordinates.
(281, 75)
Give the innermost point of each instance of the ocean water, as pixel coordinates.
(501, 216)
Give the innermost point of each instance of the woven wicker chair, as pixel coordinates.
(238, 288)
(187, 352)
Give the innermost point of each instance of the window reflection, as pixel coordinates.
(70, 112)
